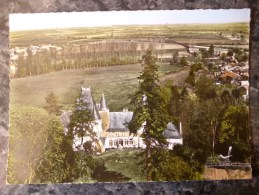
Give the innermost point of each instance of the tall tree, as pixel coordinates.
(81, 126)
(149, 111)
(58, 164)
(52, 104)
(183, 61)
(211, 50)
(205, 88)
(235, 131)
(175, 57)
(27, 142)
(82, 121)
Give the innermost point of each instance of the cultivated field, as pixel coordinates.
(190, 34)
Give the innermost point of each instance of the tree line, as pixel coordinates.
(93, 54)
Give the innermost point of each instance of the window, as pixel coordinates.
(110, 143)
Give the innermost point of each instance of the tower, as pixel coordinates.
(103, 105)
(104, 112)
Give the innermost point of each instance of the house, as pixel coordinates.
(244, 89)
(111, 127)
(228, 76)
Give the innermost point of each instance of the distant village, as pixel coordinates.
(226, 68)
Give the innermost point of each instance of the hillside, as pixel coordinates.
(116, 82)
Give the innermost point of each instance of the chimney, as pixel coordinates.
(180, 128)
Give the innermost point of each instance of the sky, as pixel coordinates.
(37, 21)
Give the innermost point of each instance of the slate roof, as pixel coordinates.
(118, 121)
(65, 118)
(87, 97)
(103, 105)
(95, 113)
(171, 132)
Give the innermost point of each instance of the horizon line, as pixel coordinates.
(120, 25)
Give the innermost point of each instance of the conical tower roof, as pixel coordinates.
(103, 105)
(86, 96)
(95, 113)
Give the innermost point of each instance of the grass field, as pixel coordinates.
(116, 82)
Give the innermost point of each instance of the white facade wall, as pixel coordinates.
(123, 142)
(172, 142)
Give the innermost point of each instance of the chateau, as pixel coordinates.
(111, 127)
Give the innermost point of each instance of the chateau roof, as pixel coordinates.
(119, 121)
(95, 113)
(171, 132)
(118, 130)
(103, 105)
(87, 97)
(65, 118)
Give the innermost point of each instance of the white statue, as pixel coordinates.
(226, 158)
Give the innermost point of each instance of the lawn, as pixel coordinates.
(124, 162)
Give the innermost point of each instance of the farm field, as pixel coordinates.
(190, 34)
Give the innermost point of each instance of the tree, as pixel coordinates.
(191, 78)
(170, 167)
(183, 61)
(27, 141)
(197, 66)
(235, 131)
(211, 50)
(149, 110)
(205, 88)
(194, 68)
(52, 104)
(196, 134)
(230, 53)
(58, 163)
(21, 71)
(173, 96)
(81, 126)
(204, 53)
(82, 121)
(175, 57)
